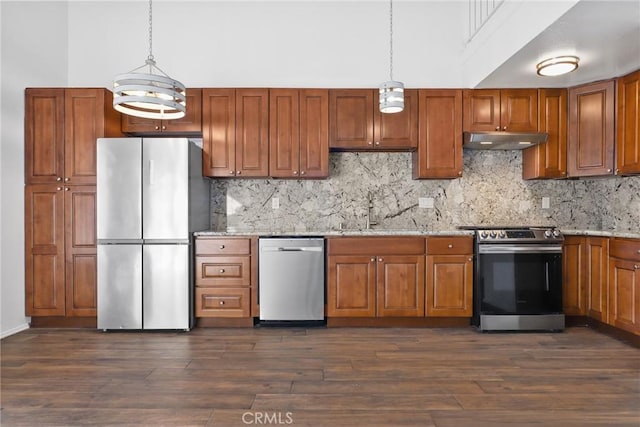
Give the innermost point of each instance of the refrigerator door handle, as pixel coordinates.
(151, 173)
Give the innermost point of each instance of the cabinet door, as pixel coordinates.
(85, 122)
(449, 285)
(400, 285)
(351, 286)
(519, 110)
(481, 110)
(219, 132)
(573, 281)
(597, 278)
(397, 131)
(44, 135)
(591, 130)
(549, 160)
(624, 294)
(628, 138)
(80, 250)
(284, 133)
(439, 153)
(314, 133)
(140, 125)
(252, 133)
(44, 244)
(191, 123)
(351, 119)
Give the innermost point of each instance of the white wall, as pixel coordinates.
(34, 53)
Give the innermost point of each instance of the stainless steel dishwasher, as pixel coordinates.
(291, 272)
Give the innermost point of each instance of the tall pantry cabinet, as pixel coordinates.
(61, 129)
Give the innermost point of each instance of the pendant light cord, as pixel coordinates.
(150, 57)
(390, 39)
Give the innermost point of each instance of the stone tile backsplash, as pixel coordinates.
(490, 192)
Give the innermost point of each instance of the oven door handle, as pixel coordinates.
(520, 249)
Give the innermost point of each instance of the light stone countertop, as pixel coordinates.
(601, 233)
(334, 233)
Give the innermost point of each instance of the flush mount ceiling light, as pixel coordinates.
(152, 95)
(391, 92)
(557, 66)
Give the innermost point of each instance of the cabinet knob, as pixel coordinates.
(459, 173)
(639, 251)
(608, 170)
(238, 172)
(380, 259)
(67, 179)
(231, 172)
(636, 266)
(221, 246)
(58, 179)
(504, 128)
(164, 128)
(302, 173)
(370, 143)
(157, 127)
(222, 270)
(450, 246)
(377, 142)
(497, 127)
(66, 188)
(295, 172)
(470, 258)
(221, 302)
(373, 260)
(58, 188)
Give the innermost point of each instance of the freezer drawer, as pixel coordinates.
(291, 279)
(119, 290)
(165, 287)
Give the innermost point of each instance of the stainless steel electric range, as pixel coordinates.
(517, 278)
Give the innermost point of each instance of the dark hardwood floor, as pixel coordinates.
(319, 377)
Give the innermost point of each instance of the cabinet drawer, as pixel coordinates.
(375, 245)
(451, 245)
(223, 271)
(625, 249)
(207, 246)
(222, 302)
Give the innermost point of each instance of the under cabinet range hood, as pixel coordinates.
(502, 140)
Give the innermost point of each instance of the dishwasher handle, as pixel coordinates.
(293, 249)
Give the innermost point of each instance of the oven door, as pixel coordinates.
(519, 279)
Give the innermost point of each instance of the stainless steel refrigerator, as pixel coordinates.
(151, 197)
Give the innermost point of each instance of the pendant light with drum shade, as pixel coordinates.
(152, 94)
(391, 92)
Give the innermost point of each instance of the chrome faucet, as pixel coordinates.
(370, 222)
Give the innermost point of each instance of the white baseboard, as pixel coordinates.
(15, 330)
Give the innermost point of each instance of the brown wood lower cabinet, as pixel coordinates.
(624, 284)
(449, 276)
(375, 277)
(573, 281)
(60, 243)
(225, 275)
(597, 278)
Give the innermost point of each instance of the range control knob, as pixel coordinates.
(492, 234)
(556, 233)
(483, 234)
(547, 233)
(502, 234)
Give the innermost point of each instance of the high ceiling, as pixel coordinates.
(604, 34)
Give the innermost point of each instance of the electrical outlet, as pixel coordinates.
(275, 203)
(425, 202)
(545, 203)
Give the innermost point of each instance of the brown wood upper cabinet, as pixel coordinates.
(299, 133)
(509, 110)
(61, 128)
(549, 160)
(439, 153)
(356, 123)
(235, 133)
(190, 124)
(590, 147)
(628, 137)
